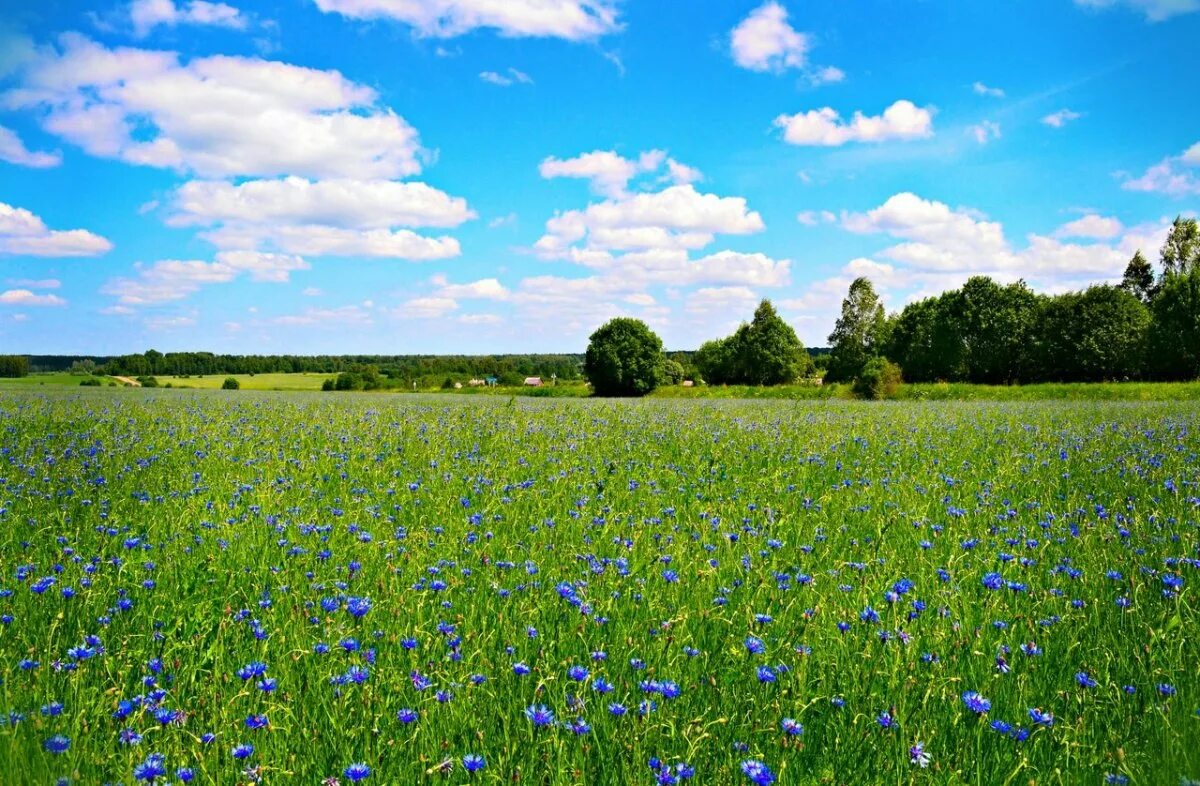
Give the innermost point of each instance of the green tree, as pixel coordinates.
(768, 350)
(1181, 251)
(624, 358)
(924, 340)
(672, 372)
(994, 324)
(14, 365)
(1139, 278)
(1099, 334)
(714, 361)
(859, 333)
(878, 378)
(231, 383)
(1175, 326)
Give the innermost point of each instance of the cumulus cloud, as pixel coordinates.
(172, 279)
(573, 20)
(1173, 176)
(213, 116)
(24, 234)
(483, 289)
(609, 173)
(1091, 226)
(1154, 10)
(765, 41)
(25, 297)
(328, 217)
(902, 120)
(1060, 118)
(149, 14)
(13, 150)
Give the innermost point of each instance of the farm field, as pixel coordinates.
(218, 587)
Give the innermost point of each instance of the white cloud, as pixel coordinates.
(1154, 10)
(724, 301)
(480, 319)
(24, 234)
(35, 283)
(173, 279)
(13, 150)
(215, 116)
(169, 322)
(333, 318)
(512, 77)
(608, 172)
(335, 217)
(825, 127)
(1171, 176)
(148, 14)
(827, 75)
(811, 218)
(425, 308)
(24, 297)
(1060, 118)
(992, 92)
(483, 289)
(573, 20)
(984, 131)
(1091, 226)
(764, 41)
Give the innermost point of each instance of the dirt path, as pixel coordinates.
(128, 381)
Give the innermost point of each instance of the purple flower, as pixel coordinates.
(758, 772)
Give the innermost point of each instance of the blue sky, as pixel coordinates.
(432, 176)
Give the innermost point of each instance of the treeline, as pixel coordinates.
(422, 369)
(1147, 327)
(12, 366)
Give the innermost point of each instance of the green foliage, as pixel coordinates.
(766, 351)
(1181, 251)
(13, 366)
(878, 378)
(231, 383)
(673, 372)
(1099, 334)
(624, 358)
(90, 382)
(860, 332)
(1175, 326)
(329, 384)
(147, 382)
(1139, 278)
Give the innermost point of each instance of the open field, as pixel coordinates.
(274, 586)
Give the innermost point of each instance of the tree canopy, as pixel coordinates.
(624, 358)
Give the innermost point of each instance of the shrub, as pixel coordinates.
(89, 382)
(880, 378)
(148, 382)
(329, 384)
(624, 358)
(231, 383)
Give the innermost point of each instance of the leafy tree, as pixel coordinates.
(1099, 334)
(994, 324)
(1139, 278)
(878, 378)
(768, 351)
(859, 333)
(14, 366)
(1175, 326)
(672, 372)
(624, 358)
(924, 340)
(231, 383)
(714, 361)
(1181, 252)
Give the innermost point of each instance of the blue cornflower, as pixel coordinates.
(356, 772)
(885, 720)
(976, 703)
(252, 670)
(243, 751)
(792, 727)
(57, 744)
(185, 774)
(358, 607)
(755, 645)
(1085, 680)
(473, 762)
(758, 772)
(993, 581)
(539, 714)
(152, 768)
(1166, 689)
(766, 674)
(407, 715)
(520, 669)
(257, 722)
(918, 756)
(1041, 718)
(577, 673)
(617, 709)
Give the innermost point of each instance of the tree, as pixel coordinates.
(1099, 334)
(1181, 251)
(1139, 278)
(1175, 326)
(924, 340)
(878, 378)
(231, 383)
(714, 361)
(624, 358)
(673, 372)
(14, 366)
(859, 333)
(768, 350)
(994, 324)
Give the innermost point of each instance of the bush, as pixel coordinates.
(14, 366)
(231, 383)
(148, 382)
(89, 382)
(624, 358)
(880, 378)
(329, 384)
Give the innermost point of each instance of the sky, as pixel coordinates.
(484, 176)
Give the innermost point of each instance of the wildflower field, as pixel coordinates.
(218, 589)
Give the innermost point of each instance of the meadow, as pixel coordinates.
(216, 587)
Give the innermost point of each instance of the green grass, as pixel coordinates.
(200, 531)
